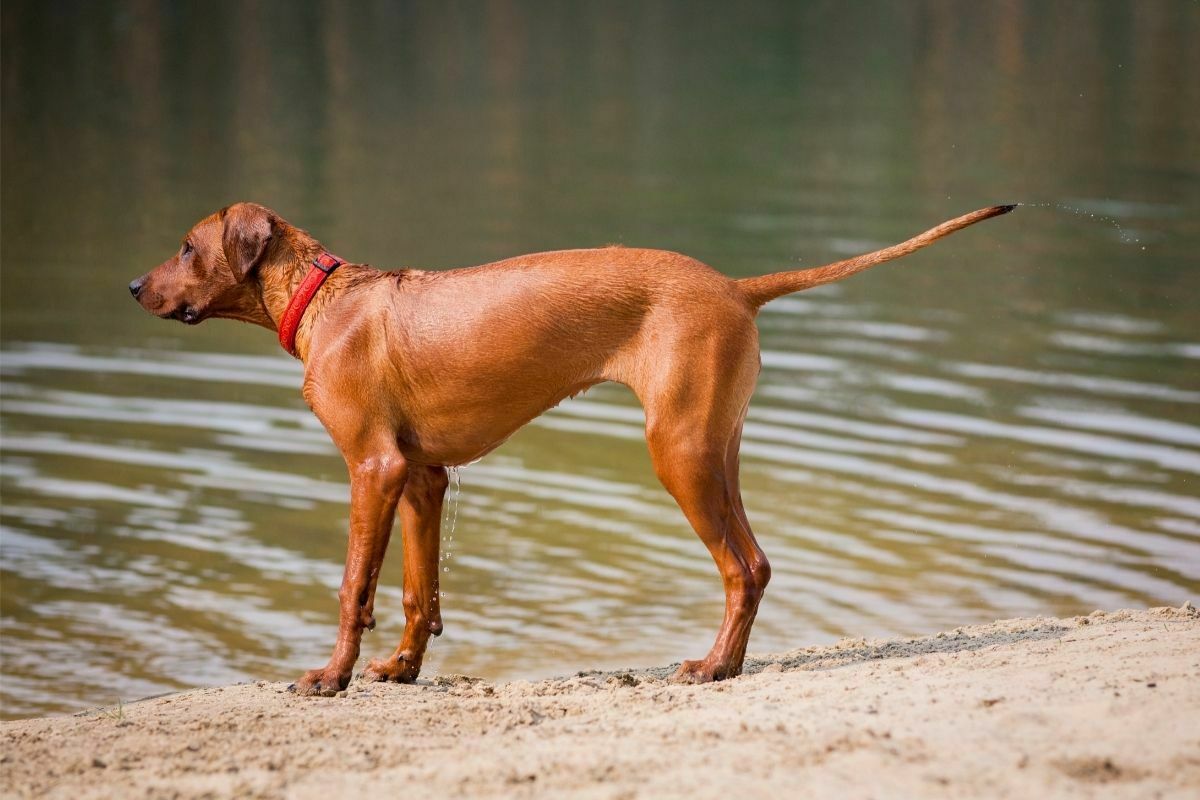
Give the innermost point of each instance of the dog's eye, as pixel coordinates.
(187, 248)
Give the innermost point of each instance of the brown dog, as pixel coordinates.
(413, 371)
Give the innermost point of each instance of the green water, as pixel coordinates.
(1006, 424)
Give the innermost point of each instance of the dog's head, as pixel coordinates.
(212, 274)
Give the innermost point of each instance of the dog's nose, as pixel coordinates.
(135, 287)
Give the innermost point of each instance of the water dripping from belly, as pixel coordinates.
(450, 519)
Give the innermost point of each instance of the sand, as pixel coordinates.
(1103, 705)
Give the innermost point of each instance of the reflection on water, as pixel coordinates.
(1006, 424)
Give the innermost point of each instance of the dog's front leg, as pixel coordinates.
(376, 483)
(420, 519)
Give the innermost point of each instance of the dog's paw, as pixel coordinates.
(702, 671)
(396, 669)
(320, 682)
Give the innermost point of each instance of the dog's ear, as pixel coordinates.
(247, 235)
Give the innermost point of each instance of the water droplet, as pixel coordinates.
(1124, 235)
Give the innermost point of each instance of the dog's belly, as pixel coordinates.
(474, 430)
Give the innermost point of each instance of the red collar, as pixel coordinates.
(322, 267)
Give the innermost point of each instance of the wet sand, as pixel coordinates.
(1103, 704)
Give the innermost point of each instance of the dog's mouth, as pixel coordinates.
(186, 314)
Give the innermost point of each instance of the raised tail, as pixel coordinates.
(765, 288)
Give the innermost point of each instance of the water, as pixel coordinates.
(450, 516)
(1126, 236)
(1006, 423)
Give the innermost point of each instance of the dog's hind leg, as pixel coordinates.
(420, 521)
(694, 447)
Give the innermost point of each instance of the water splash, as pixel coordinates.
(1125, 235)
(450, 517)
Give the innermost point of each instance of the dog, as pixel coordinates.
(414, 371)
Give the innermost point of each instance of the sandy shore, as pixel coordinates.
(1104, 704)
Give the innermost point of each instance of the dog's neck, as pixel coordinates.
(291, 258)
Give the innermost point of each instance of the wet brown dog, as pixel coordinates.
(414, 371)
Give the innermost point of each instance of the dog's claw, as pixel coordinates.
(701, 672)
(394, 669)
(319, 682)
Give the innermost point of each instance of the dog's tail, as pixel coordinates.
(767, 287)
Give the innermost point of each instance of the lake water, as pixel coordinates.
(1005, 424)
